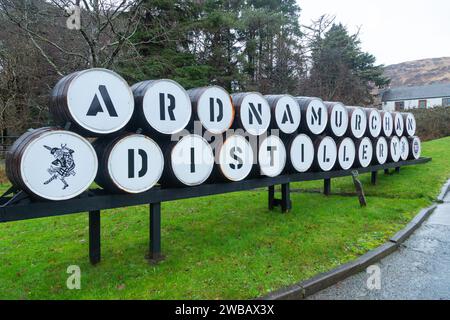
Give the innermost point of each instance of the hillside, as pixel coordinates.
(419, 72)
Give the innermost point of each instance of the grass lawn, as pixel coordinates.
(222, 247)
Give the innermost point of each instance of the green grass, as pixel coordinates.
(222, 247)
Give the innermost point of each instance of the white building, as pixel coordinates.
(404, 98)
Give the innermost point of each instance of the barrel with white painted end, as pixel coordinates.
(162, 107)
(301, 153)
(364, 152)
(212, 106)
(404, 148)
(286, 115)
(394, 149)
(188, 162)
(252, 112)
(338, 119)
(235, 158)
(346, 153)
(129, 163)
(381, 150)
(357, 122)
(271, 156)
(410, 124)
(51, 164)
(95, 101)
(387, 123)
(326, 153)
(373, 122)
(415, 148)
(399, 124)
(314, 118)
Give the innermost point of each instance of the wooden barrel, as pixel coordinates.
(404, 148)
(326, 153)
(381, 150)
(95, 101)
(235, 158)
(338, 118)
(252, 112)
(357, 122)
(163, 107)
(301, 153)
(187, 162)
(346, 153)
(387, 123)
(314, 115)
(212, 106)
(364, 152)
(129, 163)
(286, 113)
(394, 149)
(399, 124)
(410, 124)
(271, 156)
(52, 164)
(414, 147)
(373, 122)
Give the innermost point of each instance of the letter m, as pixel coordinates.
(316, 116)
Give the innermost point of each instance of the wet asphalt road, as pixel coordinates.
(419, 270)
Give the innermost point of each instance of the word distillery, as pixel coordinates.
(133, 150)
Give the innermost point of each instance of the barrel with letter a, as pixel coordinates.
(129, 163)
(52, 164)
(399, 124)
(286, 113)
(95, 102)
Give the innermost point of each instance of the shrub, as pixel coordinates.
(432, 123)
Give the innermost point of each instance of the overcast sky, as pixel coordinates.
(392, 30)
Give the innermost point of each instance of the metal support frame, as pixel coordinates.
(327, 187)
(386, 171)
(94, 237)
(285, 202)
(397, 169)
(154, 254)
(373, 177)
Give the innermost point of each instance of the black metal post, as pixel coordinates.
(373, 178)
(327, 187)
(386, 171)
(155, 233)
(271, 197)
(94, 237)
(286, 204)
(397, 169)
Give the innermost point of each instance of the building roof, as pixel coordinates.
(438, 90)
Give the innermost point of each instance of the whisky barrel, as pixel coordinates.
(235, 158)
(381, 150)
(338, 118)
(252, 112)
(271, 156)
(286, 113)
(404, 148)
(388, 123)
(129, 163)
(326, 155)
(187, 162)
(301, 153)
(52, 164)
(373, 122)
(314, 115)
(357, 122)
(399, 124)
(212, 106)
(95, 101)
(410, 124)
(414, 147)
(346, 153)
(394, 149)
(162, 107)
(364, 152)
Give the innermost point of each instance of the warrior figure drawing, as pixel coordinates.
(63, 166)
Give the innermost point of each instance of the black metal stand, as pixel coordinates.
(397, 170)
(154, 254)
(373, 177)
(285, 201)
(327, 187)
(94, 237)
(386, 171)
